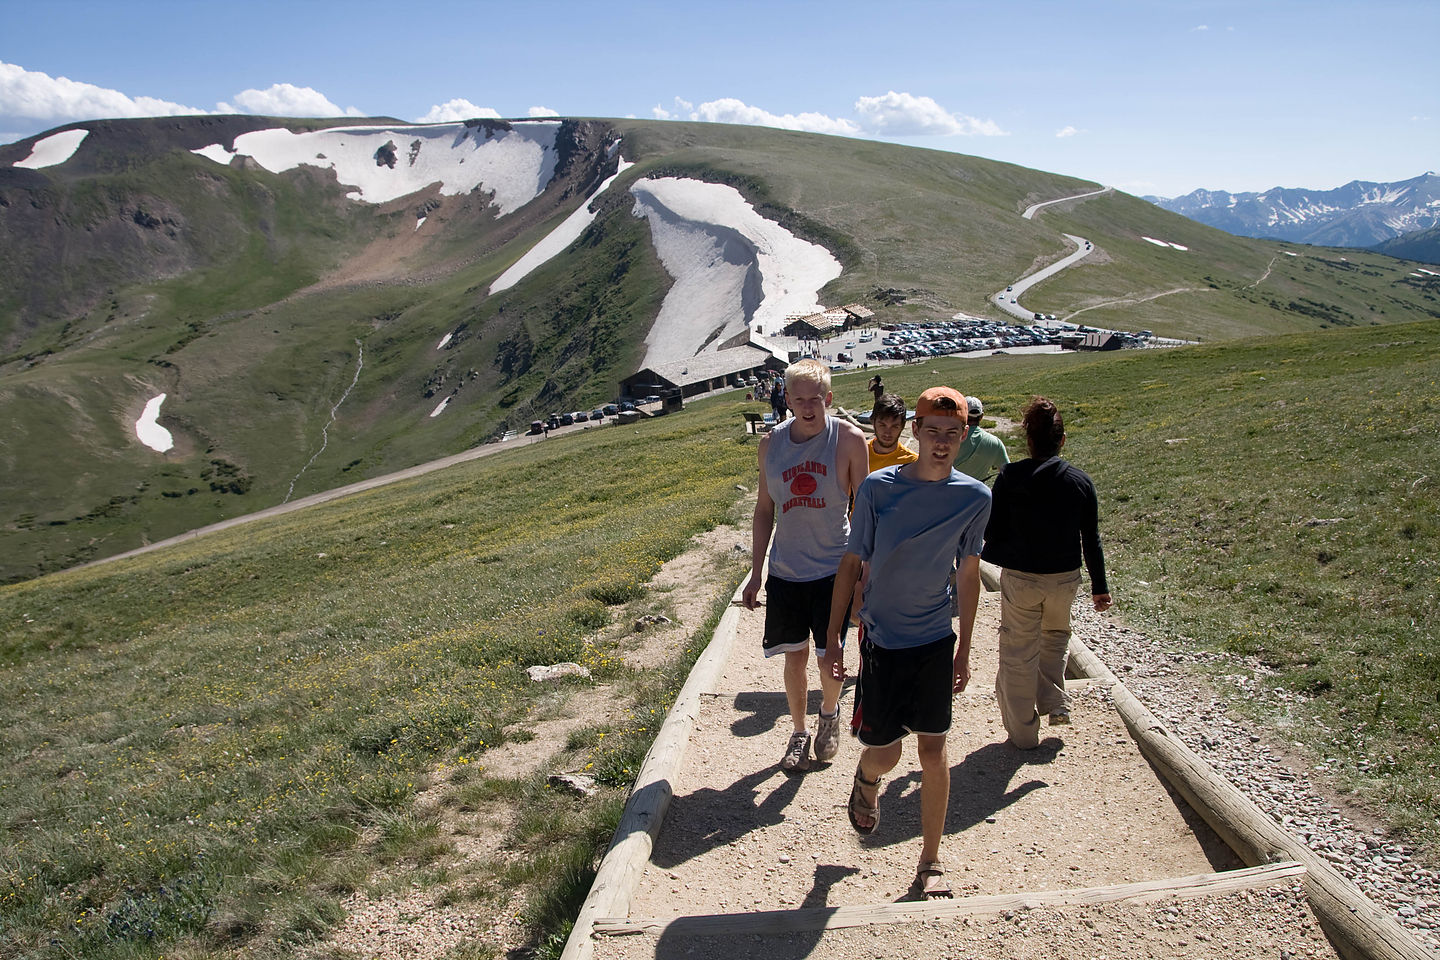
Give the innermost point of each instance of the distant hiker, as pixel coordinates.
(876, 386)
(777, 398)
(982, 454)
(1045, 517)
(910, 522)
(810, 466)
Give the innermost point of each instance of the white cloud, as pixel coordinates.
(29, 93)
(1200, 29)
(287, 100)
(457, 109)
(892, 115)
(543, 112)
(1068, 131)
(730, 110)
(906, 115)
(682, 109)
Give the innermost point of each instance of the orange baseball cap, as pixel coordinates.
(942, 402)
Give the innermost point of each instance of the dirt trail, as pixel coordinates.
(1082, 811)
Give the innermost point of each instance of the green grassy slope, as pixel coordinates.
(197, 737)
(266, 294)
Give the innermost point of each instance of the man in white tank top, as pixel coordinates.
(810, 467)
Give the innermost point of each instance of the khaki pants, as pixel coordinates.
(1034, 646)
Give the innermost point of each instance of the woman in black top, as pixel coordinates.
(1044, 517)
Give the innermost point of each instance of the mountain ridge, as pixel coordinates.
(306, 340)
(1360, 213)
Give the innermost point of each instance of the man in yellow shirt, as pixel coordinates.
(887, 419)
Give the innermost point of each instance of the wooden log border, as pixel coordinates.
(835, 918)
(624, 863)
(1357, 928)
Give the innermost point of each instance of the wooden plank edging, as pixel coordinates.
(834, 918)
(1358, 928)
(624, 863)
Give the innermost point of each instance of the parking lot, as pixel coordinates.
(961, 334)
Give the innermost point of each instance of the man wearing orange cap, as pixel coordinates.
(910, 522)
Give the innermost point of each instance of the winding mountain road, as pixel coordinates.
(1009, 298)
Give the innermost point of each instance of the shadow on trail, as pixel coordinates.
(979, 788)
(745, 805)
(761, 712)
(682, 939)
(980, 784)
(727, 814)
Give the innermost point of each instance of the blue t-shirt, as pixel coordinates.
(911, 531)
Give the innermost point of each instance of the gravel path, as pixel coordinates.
(1083, 811)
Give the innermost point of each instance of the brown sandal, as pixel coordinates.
(858, 806)
(930, 881)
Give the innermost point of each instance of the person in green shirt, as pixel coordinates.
(981, 454)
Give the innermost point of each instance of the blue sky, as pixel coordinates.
(1150, 97)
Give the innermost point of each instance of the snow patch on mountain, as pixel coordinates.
(382, 163)
(54, 149)
(148, 428)
(557, 240)
(732, 268)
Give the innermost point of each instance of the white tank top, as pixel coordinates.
(812, 509)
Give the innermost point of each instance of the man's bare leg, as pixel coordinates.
(934, 793)
(797, 686)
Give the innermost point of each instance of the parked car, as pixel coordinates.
(651, 399)
(610, 409)
(567, 419)
(580, 416)
(597, 414)
(536, 427)
(553, 421)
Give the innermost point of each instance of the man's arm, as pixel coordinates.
(845, 579)
(967, 592)
(761, 523)
(853, 457)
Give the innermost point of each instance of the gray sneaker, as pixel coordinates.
(797, 752)
(827, 737)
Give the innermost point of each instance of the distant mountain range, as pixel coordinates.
(1359, 214)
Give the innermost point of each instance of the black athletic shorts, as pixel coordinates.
(795, 613)
(903, 691)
